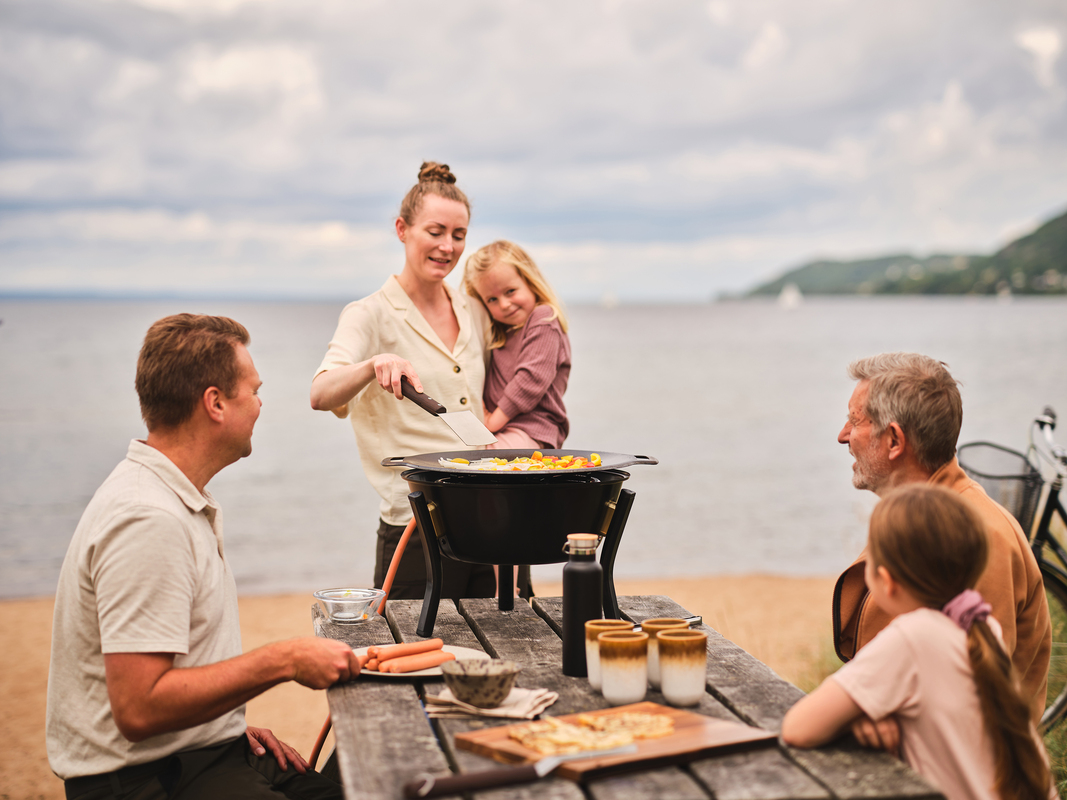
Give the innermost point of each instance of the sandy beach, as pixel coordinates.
(785, 622)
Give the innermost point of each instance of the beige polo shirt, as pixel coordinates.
(144, 573)
(388, 322)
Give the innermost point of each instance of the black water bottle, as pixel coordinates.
(583, 582)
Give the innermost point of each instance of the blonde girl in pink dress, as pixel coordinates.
(531, 354)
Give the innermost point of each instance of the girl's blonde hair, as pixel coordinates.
(936, 545)
(504, 252)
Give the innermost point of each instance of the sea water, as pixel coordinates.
(740, 401)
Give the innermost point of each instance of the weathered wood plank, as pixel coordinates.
(852, 772)
(451, 627)
(360, 634)
(454, 629)
(670, 783)
(757, 775)
(385, 737)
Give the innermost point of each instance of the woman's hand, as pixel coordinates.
(333, 389)
(389, 369)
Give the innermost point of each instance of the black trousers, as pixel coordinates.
(459, 579)
(229, 771)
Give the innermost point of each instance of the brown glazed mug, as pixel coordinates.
(683, 663)
(593, 628)
(623, 666)
(652, 627)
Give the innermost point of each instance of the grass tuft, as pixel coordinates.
(1056, 745)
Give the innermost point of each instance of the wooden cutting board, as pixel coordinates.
(694, 736)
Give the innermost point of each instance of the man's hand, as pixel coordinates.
(320, 663)
(263, 740)
(881, 735)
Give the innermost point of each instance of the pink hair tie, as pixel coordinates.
(966, 608)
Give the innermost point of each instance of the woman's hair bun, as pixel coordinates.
(431, 171)
(436, 179)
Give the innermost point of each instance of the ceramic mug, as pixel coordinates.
(683, 663)
(593, 628)
(652, 627)
(623, 666)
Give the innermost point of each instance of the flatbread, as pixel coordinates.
(640, 726)
(551, 737)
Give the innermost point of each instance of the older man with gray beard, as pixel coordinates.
(904, 418)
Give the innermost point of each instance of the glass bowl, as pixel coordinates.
(349, 605)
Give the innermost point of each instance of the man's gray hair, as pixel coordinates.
(918, 393)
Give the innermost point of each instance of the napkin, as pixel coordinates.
(519, 704)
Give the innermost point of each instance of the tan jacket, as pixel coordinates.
(389, 322)
(1011, 584)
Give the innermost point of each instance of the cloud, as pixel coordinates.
(610, 128)
(1045, 44)
(768, 48)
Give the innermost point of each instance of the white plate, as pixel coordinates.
(458, 652)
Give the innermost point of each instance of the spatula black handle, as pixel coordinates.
(419, 398)
(431, 786)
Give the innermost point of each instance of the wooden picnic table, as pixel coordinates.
(384, 738)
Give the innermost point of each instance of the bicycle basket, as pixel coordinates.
(1007, 476)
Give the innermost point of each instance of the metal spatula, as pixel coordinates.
(463, 423)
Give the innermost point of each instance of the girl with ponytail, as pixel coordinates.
(939, 669)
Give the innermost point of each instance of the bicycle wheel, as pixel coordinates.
(1056, 698)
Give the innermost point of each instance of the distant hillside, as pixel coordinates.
(1034, 264)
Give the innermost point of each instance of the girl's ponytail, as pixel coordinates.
(1021, 772)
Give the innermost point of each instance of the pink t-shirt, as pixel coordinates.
(919, 670)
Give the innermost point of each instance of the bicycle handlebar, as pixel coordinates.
(1048, 417)
(1047, 423)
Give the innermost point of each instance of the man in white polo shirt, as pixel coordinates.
(147, 682)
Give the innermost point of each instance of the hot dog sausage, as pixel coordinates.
(384, 653)
(416, 662)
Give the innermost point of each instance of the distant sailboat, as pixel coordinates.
(790, 296)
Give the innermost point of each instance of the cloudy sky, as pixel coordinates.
(646, 149)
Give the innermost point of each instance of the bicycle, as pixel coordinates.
(1018, 483)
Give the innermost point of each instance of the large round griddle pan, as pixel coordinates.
(432, 461)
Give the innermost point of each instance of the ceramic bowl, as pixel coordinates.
(485, 684)
(349, 605)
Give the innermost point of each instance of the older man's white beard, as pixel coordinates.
(868, 473)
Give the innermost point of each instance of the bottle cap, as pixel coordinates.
(581, 543)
